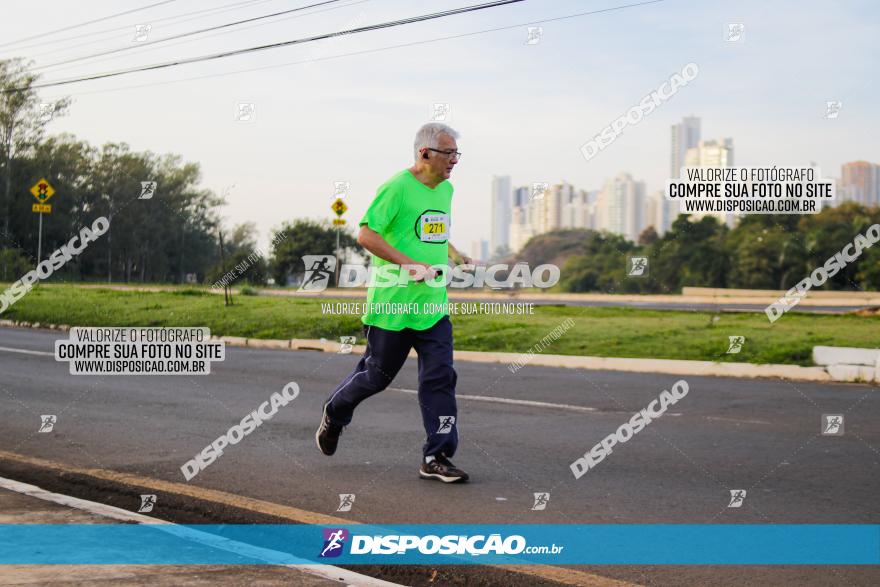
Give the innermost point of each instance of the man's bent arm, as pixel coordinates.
(457, 257)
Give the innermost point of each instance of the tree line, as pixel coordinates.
(761, 252)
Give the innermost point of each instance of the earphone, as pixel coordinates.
(425, 155)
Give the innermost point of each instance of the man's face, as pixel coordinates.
(439, 163)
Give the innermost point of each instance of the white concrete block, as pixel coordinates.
(832, 355)
(852, 373)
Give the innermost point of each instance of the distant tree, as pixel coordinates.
(600, 265)
(690, 254)
(245, 262)
(243, 237)
(242, 267)
(501, 253)
(305, 237)
(765, 252)
(825, 234)
(554, 247)
(648, 236)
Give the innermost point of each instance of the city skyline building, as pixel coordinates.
(859, 182)
(501, 212)
(684, 135)
(621, 207)
(713, 153)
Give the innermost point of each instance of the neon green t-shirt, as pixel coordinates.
(415, 220)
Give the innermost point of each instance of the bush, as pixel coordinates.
(17, 263)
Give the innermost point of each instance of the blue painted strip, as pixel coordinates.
(640, 544)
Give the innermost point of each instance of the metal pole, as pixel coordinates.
(40, 240)
(337, 255)
(227, 292)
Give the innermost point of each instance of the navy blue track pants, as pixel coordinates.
(385, 355)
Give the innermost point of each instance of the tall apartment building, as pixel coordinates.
(560, 206)
(712, 154)
(480, 250)
(684, 135)
(859, 182)
(621, 207)
(501, 212)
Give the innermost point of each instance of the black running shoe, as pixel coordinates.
(441, 468)
(327, 435)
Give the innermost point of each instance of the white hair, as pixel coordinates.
(428, 135)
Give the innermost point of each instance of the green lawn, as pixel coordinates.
(608, 332)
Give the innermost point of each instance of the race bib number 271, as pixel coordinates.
(434, 227)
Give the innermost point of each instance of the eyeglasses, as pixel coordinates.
(449, 154)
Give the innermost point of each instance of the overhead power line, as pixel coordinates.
(189, 34)
(220, 33)
(86, 23)
(367, 51)
(55, 40)
(247, 50)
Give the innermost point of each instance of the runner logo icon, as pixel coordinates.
(737, 496)
(334, 539)
(47, 422)
(541, 500)
(446, 424)
(319, 269)
(832, 424)
(147, 503)
(346, 500)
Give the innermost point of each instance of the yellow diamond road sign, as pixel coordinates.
(42, 190)
(339, 207)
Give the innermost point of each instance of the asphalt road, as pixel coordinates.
(759, 435)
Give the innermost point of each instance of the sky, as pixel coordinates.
(522, 110)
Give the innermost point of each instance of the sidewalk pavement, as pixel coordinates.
(16, 508)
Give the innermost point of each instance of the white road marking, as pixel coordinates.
(477, 398)
(504, 400)
(26, 352)
(330, 572)
(736, 420)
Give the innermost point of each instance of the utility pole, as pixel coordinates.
(227, 293)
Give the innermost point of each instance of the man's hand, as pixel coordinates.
(467, 264)
(420, 271)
